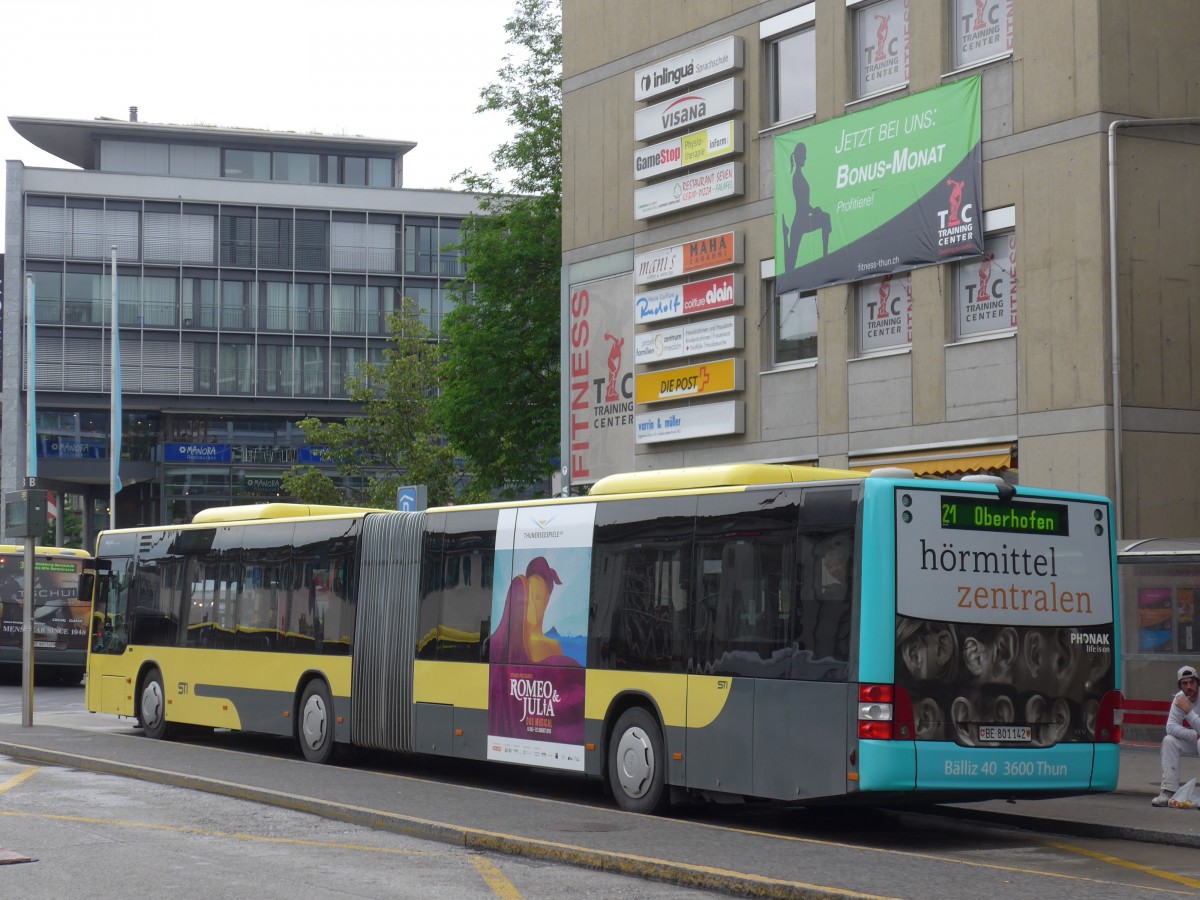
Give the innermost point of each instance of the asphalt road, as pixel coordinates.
(132, 838)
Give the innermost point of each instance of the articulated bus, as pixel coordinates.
(784, 633)
(60, 614)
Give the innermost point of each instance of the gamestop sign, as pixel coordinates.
(687, 150)
(659, 304)
(699, 105)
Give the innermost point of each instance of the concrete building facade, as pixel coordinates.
(800, 375)
(255, 272)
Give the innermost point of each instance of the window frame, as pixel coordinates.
(953, 38)
(862, 291)
(998, 225)
(773, 33)
(859, 91)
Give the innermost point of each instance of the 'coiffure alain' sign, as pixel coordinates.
(688, 109)
(679, 71)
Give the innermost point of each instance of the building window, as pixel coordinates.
(881, 46)
(298, 168)
(237, 240)
(275, 369)
(420, 249)
(311, 371)
(274, 242)
(981, 30)
(235, 369)
(795, 327)
(312, 243)
(985, 295)
(343, 368)
(885, 313)
(379, 172)
(252, 165)
(790, 43)
(160, 301)
(308, 309)
(238, 305)
(48, 296)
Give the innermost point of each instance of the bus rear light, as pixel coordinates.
(884, 713)
(1110, 718)
(875, 731)
(875, 712)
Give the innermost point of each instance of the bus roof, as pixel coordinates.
(256, 511)
(45, 551)
(730, 475)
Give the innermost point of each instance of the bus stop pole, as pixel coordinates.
(27, 639)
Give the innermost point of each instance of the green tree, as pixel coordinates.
(500, 392)
(395, 441)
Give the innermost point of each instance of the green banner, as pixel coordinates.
(883, 190)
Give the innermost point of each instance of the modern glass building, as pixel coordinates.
(254, 271)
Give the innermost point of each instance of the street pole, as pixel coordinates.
(30, 480)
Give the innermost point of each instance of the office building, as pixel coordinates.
(863, 233)
(255, 272)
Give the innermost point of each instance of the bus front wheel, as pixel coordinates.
(315, 730)
(636, 763)
(152, 710)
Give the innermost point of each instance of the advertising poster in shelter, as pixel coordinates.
(538, 646)
(882, 190)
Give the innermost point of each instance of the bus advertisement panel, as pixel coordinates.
(1004, 634)
(538, 650)
(60, 616)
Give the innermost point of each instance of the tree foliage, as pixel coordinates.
(395, 441)
(500, 399)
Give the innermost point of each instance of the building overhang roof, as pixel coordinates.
(74, 140)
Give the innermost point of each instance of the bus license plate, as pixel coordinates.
(1015, 733)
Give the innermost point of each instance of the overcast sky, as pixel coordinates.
(394, 69)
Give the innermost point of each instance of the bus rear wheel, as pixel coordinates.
(152, 707)
(314, 731)
(636, 763)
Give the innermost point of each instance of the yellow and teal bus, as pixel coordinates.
(789, 633)
(59, 615)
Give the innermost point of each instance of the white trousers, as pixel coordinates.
(1172, 747)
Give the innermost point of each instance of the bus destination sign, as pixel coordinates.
(969, 514)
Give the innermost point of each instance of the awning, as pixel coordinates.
(980, 458)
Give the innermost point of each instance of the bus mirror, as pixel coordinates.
(87, 584)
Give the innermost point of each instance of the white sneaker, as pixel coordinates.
(1162, 799)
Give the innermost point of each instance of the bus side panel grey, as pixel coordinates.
(799, 739)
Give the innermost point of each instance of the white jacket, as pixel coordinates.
(1184, 727)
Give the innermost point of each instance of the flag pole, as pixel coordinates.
(114, 446)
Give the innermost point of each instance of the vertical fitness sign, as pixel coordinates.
(883, 190)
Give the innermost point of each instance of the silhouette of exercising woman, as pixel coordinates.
(807, 218)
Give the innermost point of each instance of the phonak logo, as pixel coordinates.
(653, 80)
(956, 223)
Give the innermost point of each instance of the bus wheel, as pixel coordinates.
(636, 763)
(152, 710)
(315, 731)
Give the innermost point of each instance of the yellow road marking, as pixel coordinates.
(19, 778)
(494, 878)
(950, 859)
(205, 832)
(1127, 864)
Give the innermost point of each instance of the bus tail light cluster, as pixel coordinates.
(884, 713)
(1110, 718)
